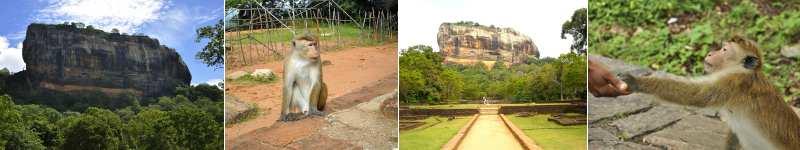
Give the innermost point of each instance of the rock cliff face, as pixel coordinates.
(66, 58)
(470, 43)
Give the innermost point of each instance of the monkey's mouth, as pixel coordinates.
(707, 64)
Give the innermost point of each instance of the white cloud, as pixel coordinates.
(170, 27)
(211, 82)
(541, 20)
(11, 57)
(177, 25)
(19, 35)
(125, 15)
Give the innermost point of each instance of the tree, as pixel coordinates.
(576, 27)
(194, 93)
(14, 133)
(4, 72)
(452, 82)
(195, 126)
(96, 129)
(423, 67)
(213, 53)
(152, 129)
(40, 120)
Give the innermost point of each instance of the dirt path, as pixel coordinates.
(355, 76)
(489, 132)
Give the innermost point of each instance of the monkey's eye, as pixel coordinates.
(724, 49)
(312, 44)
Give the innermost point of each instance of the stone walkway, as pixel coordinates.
(489, 132)
(639, 121)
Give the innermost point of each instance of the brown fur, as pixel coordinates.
(739, 91)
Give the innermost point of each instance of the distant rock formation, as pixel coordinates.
(68, 58)
(468, 43)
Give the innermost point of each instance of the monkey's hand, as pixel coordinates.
(630, 78)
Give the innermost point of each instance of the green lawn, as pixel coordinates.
(431, 136)
(253, 80)
(549, 135)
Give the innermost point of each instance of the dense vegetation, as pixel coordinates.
(424, 78)
(190, 120)
(675, 35)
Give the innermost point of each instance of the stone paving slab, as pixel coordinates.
(609, 145)
(655, 118)
(692, 132)
(600, 134)
(603, 107)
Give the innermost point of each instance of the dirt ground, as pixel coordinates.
(355, 76)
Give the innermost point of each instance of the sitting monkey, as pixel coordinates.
(303, 88)
(735, 87)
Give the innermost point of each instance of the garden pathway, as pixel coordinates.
(489, 132)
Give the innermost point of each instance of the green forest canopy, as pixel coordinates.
(190, 120)
(424, 78)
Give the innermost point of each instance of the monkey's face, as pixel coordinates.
(720, 58)
(307, 49)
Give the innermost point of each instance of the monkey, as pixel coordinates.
(303, 87)
(734, 86)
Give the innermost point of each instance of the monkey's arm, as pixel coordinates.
(684, 91)
(288, 84)
(323, 96)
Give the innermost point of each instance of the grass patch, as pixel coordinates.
(550, 135)
(636, 32)
(433, 135)
(253, 79)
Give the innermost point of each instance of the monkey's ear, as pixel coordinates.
(750, 62)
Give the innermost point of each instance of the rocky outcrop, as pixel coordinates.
(69, 58)
(467, 42)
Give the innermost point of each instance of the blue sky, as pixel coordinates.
(172, 22)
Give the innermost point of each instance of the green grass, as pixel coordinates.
(549, 135)
(431, 136)
(636, 32)
(251, 79)
(347, 32)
